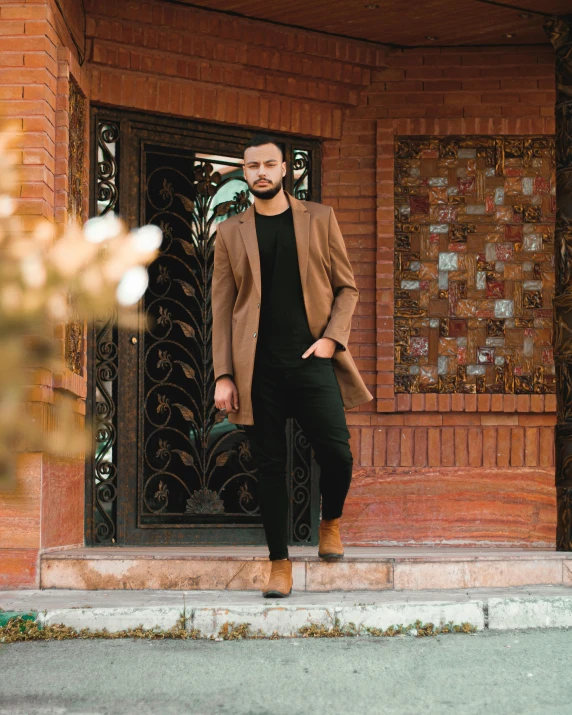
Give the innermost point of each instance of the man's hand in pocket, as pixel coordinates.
(322, 348)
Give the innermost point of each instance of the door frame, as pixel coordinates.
(111, 514)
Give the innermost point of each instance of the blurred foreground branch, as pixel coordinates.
(52, 276)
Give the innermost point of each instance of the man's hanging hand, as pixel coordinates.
(226, 395)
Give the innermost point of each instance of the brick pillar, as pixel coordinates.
(35, 63)
(28, 71)
(559, 31)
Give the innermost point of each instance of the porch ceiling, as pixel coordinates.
(450, 22)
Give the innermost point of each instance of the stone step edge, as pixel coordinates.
(310, 576)
(285, 620)
(310, 558)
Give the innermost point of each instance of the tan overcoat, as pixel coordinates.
(328, 285)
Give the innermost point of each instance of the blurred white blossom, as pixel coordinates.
(147, 239)
(103, 228)
(34, 271)
(132, 286)
(6, 205)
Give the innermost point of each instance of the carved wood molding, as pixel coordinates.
(559, 30)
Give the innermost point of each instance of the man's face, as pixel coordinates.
(264, 170)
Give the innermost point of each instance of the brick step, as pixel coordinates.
(246, 568)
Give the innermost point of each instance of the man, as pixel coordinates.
(283, 295)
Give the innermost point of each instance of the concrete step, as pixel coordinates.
(247, 568)
(213, 613)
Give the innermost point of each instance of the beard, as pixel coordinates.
(268, 192)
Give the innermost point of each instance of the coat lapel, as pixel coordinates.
(248, 233)
(301, 229)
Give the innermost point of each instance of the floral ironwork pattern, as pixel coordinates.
(302, 167)
(107, 166)
(104, 482)
(196, 465)
(104, 373)
(204, 501)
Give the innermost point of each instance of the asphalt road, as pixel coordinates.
(517, 672)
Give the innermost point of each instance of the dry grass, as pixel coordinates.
(19, 629)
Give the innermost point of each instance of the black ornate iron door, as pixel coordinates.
(168, 468)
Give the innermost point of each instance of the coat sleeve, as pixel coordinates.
(223, 296)
(346, 293)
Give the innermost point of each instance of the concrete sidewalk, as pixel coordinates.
(208, 611)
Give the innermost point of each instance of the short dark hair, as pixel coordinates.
(261, 139)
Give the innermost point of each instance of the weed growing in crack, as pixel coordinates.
(418, 629)
(390, 632)
(429, 629)
(19, 629)
(230, 631)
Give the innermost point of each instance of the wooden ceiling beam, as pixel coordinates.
(452, 22)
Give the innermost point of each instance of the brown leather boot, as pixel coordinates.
(280, 582)
(330, 548)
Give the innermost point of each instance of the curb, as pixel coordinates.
(342, 613)
(286, 621)
(113, 619)
(514, 613)
(273, 620)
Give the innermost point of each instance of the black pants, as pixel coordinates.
(308, 390)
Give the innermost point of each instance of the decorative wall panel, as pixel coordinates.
(77, 141)
(474, 264)
(74, 335)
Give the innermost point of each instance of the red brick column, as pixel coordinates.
(47, 511)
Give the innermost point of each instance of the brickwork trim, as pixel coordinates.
(222, 104)
(462, 445)
(195, 63)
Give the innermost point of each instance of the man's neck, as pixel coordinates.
(270, 207)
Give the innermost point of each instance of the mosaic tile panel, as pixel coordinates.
(474, 264)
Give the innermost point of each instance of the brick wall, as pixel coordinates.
(36, 59)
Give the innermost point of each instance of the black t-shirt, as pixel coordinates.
(284, 333)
